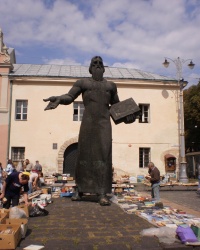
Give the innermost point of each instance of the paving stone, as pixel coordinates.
(177, 246)
(87, 225)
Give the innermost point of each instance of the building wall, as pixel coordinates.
(43, 128)
(161, 134)
(5, 67)
(4, 111)
(4, 144)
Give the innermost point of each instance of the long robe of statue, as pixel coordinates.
(93, 172)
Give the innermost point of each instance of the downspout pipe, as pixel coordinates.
(9, 119)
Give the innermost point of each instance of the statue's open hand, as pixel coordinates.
(53, 102)
(129, 119)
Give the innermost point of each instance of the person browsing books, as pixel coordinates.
(12, 188)
(154, 178)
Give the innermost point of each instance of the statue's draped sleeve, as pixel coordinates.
(114, 95)
(74, 92)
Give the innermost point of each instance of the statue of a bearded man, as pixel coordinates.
(93, 173)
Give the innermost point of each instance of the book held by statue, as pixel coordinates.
(119, 111)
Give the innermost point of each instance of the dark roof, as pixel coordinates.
(77, 71)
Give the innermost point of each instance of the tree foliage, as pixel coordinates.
(192, 117)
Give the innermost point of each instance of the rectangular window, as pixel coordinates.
(78, 111)
(18, 153)
(21, 110)
(144, 157)
(144, 116)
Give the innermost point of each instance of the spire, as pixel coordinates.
(1, 40)
(3, 50)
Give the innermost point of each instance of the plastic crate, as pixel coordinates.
(66, 194)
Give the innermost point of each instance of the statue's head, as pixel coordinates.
(97, 68)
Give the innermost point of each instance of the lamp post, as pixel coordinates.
(182, 159)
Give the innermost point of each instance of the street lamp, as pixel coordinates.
(182, 160)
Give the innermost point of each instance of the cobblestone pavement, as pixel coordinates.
(188, 199)
(178, 197)
(86, 225)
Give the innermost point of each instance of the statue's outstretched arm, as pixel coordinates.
(66, 99)
(54, 101)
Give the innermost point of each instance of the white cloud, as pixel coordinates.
(125, 65)
(137, 33)
(66, 61)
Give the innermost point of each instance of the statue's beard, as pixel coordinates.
(97, 74)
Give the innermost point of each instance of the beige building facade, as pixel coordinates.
(52, 136)
(6, 61)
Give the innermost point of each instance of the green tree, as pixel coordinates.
(192, 117)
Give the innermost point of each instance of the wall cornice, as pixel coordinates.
(120, 83)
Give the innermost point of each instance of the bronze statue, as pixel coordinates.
(93, 172)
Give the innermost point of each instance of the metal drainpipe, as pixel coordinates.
(9, 119)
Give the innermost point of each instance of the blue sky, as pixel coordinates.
(126, 33)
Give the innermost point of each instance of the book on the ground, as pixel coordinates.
(33, 247)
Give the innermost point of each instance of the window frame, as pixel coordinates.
(144, 157)
(22, 107)
(78, 111)
(20, 154)
(144, 116)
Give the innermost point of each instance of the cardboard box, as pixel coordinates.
(49, 180)
(70, 178)
(5, 211)
(3, 217)
(45, 190)
(118, 190)
(22, 222)
(10, 235)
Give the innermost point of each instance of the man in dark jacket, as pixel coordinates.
(154, 178)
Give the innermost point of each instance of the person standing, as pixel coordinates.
(154, 178)
(38, 167)
(12, 188)
(28, 165)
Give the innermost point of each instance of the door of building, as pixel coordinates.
(70, 156)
